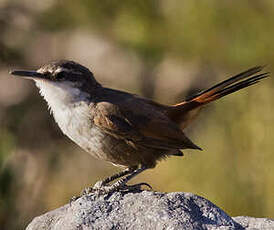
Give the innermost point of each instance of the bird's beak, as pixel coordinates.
(28, 74)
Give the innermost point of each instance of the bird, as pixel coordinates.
(119, 127)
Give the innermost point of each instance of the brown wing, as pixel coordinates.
(141, 123)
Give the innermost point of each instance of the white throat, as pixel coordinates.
(70, 107)
(61, 95)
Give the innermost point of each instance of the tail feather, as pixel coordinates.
(231, 89)
(185, 111)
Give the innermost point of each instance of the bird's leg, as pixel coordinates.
(101, 187)
(122, 182)
(104, 182)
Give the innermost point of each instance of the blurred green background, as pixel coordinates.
(163, 50)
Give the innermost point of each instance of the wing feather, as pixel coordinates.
(145, 126)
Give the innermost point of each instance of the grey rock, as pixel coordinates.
(141, 210)
(251, 223)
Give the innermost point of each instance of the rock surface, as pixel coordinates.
(144, 210)
(254, 223)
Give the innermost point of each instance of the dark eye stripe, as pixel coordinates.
(60, 75)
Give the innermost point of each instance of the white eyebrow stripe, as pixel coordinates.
(58, 70)
(61, 69)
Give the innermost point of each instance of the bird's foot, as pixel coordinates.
(100, 189)
(103, 187)
(135, 187)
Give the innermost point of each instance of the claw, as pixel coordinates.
(136, 186)
(146, 184)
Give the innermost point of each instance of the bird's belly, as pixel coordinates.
(82, 131)
(77, 124)
(106, 147)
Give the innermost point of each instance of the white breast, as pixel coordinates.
(71, 110)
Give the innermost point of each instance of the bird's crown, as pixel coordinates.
(65, 70)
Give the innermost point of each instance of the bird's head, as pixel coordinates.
(60, 72)
(62, 80)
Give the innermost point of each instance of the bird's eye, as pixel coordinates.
(60, 76)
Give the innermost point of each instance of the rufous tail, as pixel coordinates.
(185, 111)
